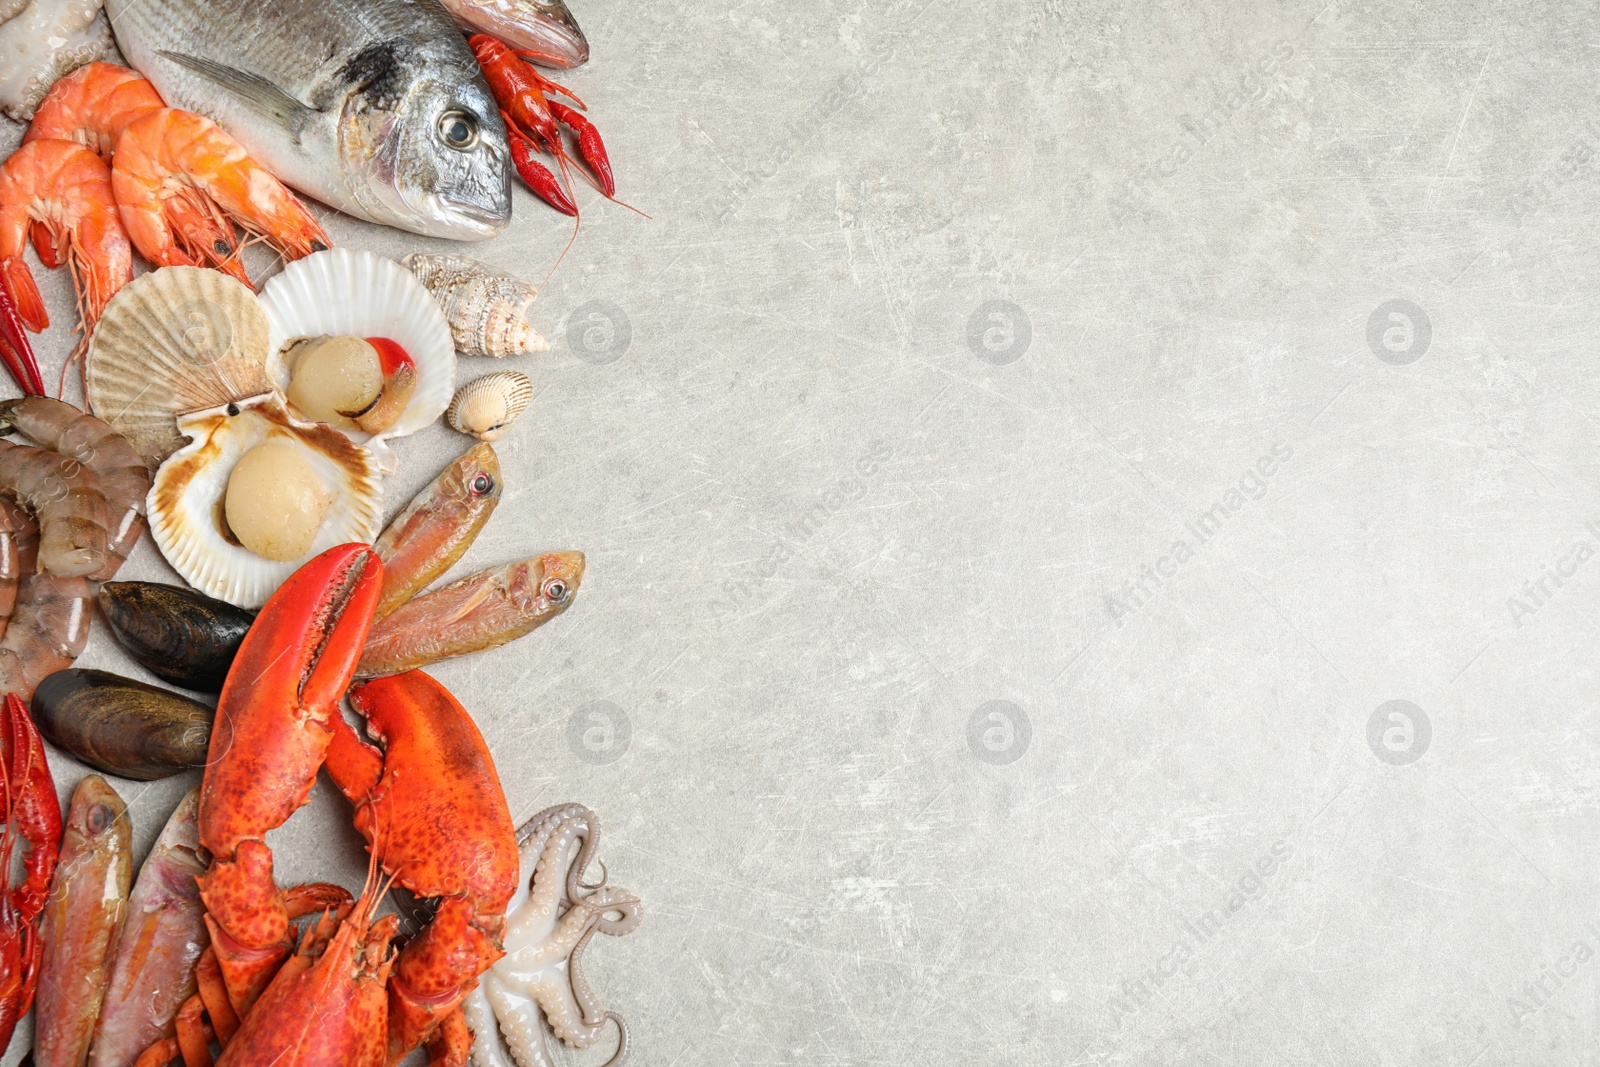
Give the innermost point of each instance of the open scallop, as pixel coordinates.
(175, 340)
(346, 293)
(194, 502)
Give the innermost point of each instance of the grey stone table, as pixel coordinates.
(1089, 512)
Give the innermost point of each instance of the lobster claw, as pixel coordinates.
(296, 661)
(272, 730)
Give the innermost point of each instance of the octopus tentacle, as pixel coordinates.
(575, 821)
(549, 924)
(619, 1057)
(518, 1015)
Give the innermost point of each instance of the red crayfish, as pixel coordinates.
(32, 813)
(534, 121)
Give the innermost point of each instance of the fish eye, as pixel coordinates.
(459, 130)
(99, 818)
(555, 590)
(482, 484)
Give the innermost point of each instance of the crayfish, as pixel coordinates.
(429, 804)
(534, 120)
(32, 813)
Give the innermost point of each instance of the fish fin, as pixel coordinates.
(468, 606)
(258, 92)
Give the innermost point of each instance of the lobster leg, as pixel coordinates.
(273, 726)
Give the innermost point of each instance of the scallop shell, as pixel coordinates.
(486, 407)
(176, 340)
(487, 308)
(186, 497)
(342, 291)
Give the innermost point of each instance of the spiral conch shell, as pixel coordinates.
(486, 407)
(487, 308)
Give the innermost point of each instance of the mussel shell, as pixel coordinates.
(182, 636)
(121, 726)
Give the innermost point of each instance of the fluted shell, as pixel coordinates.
(486, 407)
(343, 292)
(186, 499)
(177, 340)
(487, 309)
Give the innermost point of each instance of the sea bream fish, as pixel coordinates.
(374, 107)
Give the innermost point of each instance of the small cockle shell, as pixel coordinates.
(487, 308)
(486, 407)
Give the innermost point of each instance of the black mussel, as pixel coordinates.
(121, 726)
(182, 636)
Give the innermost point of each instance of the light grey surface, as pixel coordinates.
(837, 866)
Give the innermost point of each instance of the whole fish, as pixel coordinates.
(163, 937)
(542, 26)
(374, 107)
(79, 926)
(478, 612)
(438, 526)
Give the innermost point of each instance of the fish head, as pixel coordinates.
(546, 585)
(472, 482)
(97, 813)
(554, 33)
(423, 138)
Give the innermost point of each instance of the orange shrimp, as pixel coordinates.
(93, 105)
(173, 162)
(66, 187)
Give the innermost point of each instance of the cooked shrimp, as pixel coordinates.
(176, 160)
(93, 105)
(124, 478)
(66, 187)
(65, 498)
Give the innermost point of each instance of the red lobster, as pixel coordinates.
(429, 804)
(534, 120)
(33, 813)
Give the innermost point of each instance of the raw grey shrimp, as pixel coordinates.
(124, 478)
(17, 534)
(65, 499)
(49, 624)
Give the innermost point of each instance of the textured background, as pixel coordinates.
(1024, 455)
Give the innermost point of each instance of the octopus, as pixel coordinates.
(548, 925)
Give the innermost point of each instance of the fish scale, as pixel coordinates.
(345, 101)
